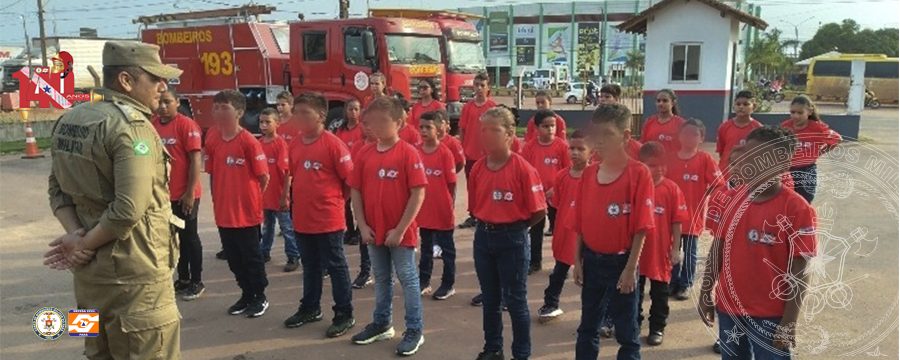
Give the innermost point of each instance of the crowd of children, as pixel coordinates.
(623, 215)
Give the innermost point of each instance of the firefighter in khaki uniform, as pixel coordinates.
(108, 190)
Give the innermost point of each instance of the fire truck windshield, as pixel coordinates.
(406, 49)
(465, 56)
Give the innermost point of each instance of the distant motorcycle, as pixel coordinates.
(772, 92)
(872, 100)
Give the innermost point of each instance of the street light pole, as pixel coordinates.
(27, 41)
(797, 34)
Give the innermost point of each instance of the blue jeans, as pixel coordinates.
(403, 261)
(502, 258)
(325, 252)
(746, 338)
(287, 230)
(805, 180)
(444, 239)
(683, 273)
(601, 273)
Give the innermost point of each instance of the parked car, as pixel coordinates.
(576, 93)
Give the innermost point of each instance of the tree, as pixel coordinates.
(634, 61)
(847, 37)
(766, 55)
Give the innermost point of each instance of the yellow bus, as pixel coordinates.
(828, 78)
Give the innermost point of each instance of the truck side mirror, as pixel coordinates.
(368, 45)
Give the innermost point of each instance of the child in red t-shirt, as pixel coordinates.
(548, 154)
(763, 235)
(377, 88)
(450, 141)
(388, 188)
(506, 196)
(427, 102)
(662, 248)
(276, 199)
(350, 131)
(733, 132)
(610, 94)
(436, 221)
(407, 132)
(543, 101)
(239, 175)
(814, 138)
(665, 124)
(287, 129)
(181, 137)
(614, 212)
(562, 196)
(470, 128)
(696, 174)
(319, 166)
(364, 277)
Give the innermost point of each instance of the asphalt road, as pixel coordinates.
(856, 317)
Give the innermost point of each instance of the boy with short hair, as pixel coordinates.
(364, 278)
(284, 103)
(450, 141)
(663, 245)
(543, 101)
(548, 154)
(390, 169)
(470, 128)
(696, 174)
(239, 175)
(613, 215)
(563, 196)
(436, 221)
(734, 131)
(767, 233)
(276, 206)
(407, 132)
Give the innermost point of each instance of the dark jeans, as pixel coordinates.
(320, 252)
(683, 273)
(501, 263)
(444, 239)
(756, 342)
(348, 217)
(659, 303)
(601, 274)
(241, 246)
(805, 181)
(365, 263)
(557, 280)
(536, 234)
(190, 259)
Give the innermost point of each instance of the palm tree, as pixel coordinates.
(634, 61)
(766, 55)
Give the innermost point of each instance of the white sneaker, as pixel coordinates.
(437, 251)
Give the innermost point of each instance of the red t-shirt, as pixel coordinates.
(693, 176)
(517, 145)
(470, 125)
(667, 133)
(384, 178)
(547, 159)
(758, 252)
(180, 136)
(507, 195)
(418, 109)
(356, 148)
(350, 136)
(669, 209)
(811, 140)
(288, 131)
(235, 166)
(609, 215)
(531, 129)
(440, 171)
(731, 135)
(452, 143)
(411, 135)
(277, 158)
(320, 170)
(565, 194)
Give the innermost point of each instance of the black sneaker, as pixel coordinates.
(292, 265)
(717, 347)
(655, 338)
(534, 269)
(681, 295)
(181, 286)
(412, 340)
(485, 355)
(267, 258)
(340, 325)
(193, 292)
(240, 306)
(443, 293)
(303, 317)
(469, 223)
(325, 274)
(548, 312)
(373, 333)
(362, 280)
(257, 307)
(477, 300)
(606, 332)
(221, 255)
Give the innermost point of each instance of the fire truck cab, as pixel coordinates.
(336, 57)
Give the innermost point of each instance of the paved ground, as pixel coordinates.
(855, 317)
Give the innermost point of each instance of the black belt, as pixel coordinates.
(518, 225)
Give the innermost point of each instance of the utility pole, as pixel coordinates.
(797, 34)
(40, 4)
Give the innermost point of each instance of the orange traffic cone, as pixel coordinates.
(31, 148)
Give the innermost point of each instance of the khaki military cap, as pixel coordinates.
(133, 53)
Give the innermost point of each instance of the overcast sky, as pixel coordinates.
(113, 18)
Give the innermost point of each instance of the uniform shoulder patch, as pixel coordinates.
(141, 148)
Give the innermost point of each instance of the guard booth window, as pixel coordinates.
(314, 46)
(685, 63)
